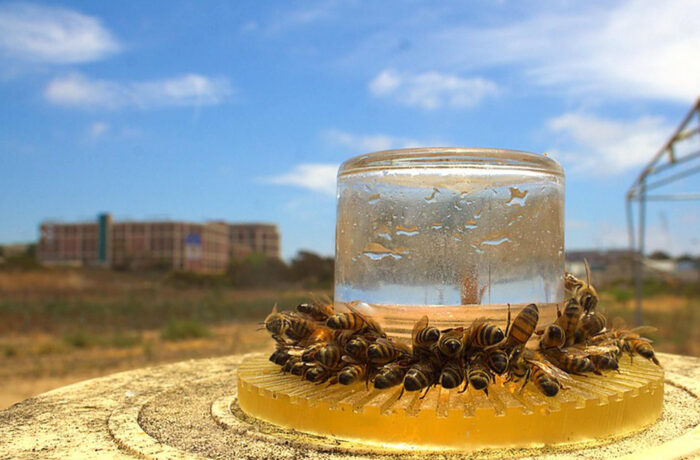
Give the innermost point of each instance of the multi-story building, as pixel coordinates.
(258, 238)
(203, 247)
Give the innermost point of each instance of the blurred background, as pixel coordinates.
(168, 170)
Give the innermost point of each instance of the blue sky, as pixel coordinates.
(243, 110)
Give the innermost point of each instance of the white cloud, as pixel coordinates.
(432, 90)
(53, 35)
(369, 142)
(76, 90)
(98, 129)
(606, 145)
(313, 176)
(623, 49)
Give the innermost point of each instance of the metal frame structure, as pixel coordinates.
(666, 167)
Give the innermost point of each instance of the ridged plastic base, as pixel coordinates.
(594, 407)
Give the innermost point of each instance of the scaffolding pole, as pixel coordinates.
(665, 159)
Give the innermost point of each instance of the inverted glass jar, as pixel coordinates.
(454, 233)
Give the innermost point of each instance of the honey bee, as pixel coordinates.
(299, 329)
(451, 342)
(497, 360)
(421, 375)
(316, 311)
(630, 341)
(478, 374)
(354, 321)
(604, 361)
(569, 321)
(382, 351)
(545, 376)
(640, 346)
(592, 324)
(276, 323)
(356, 348)
(279, 356)
(583, 291)
(552, 337)
(452, 375)
(390, 375)
(316, 374)
(423, 335)
(329, 356)
(483, 334)
(572, 361)
(351, 373)
(309, 353)
(520, 330)
(545, 382)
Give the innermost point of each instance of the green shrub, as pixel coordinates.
(124, 340)
(80, 339)
(175, 330)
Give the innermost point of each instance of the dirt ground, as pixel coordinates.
(45, 364)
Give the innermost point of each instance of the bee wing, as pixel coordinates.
(551, 370)
(644, 330)
(352, 306)
(349, 360)
(600, 349)
(419, 326)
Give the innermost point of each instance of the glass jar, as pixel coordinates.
(454, 233)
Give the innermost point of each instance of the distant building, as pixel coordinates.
(607, 265)
(201, 247)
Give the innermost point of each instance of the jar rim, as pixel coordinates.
(451, 157)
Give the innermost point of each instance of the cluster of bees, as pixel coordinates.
(320, 345)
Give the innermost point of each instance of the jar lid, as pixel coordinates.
(451, 157)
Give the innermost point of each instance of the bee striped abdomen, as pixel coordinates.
(351, 321)
(479, 378)
(451, 375)
(497, 361)
(427, 336)
(329, 356)
(524, 325)
(418, 377)
(547, 384)
(351, 374)
(553, 337)
(389, 376)
(486, 334)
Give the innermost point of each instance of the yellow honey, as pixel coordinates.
(592, 407)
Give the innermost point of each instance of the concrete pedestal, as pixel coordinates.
(189, 410)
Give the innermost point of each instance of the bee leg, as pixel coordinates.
(508, 322)
(656, 361)
(401, 393)
(597, 372)
(486, 390)
(427, 389)
(525, 380)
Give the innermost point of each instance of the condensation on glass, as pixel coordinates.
(449, 232)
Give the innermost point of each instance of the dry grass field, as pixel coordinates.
(63, 326)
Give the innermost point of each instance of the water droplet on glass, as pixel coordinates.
(433, 196)
(470, 224)
(373, 199)
(407, 231)
(517, 196)
(376, 251)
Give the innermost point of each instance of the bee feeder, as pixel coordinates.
(454, 234)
